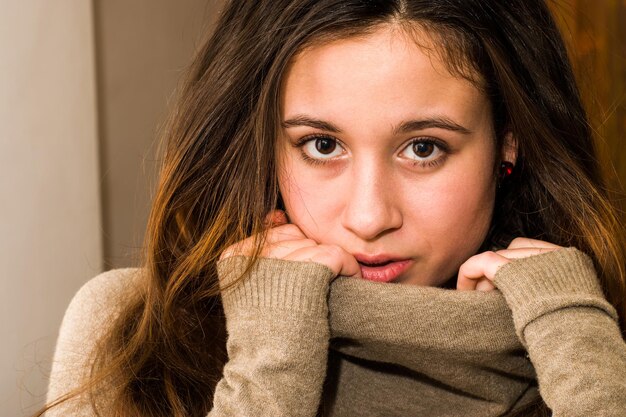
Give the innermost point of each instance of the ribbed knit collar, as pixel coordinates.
(461, 343)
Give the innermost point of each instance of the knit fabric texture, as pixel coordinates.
(303, 343)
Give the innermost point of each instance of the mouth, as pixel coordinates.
(382, 268)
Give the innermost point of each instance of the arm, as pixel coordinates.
(570, 332)
(278, 333)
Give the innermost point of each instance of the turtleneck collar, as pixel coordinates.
(458, 345)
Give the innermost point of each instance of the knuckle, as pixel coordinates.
(518, 242)
(491, 254)
(488, 256)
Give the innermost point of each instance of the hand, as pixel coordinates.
(286, 241)
(477, 272)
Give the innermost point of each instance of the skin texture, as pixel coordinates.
(354, 183)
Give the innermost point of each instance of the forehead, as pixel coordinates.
(390, 68)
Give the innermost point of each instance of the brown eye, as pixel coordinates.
(325, 146)
(423, 149)
(426, 152)
(320, 148)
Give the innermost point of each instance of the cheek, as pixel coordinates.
(450, 220)
(310, 206)
(466, 207)
(460, 205)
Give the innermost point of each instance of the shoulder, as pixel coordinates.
(101, 298)
(104, 289)
(90, 314)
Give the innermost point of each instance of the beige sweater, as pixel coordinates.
(301, 343)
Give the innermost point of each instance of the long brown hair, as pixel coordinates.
(165, 353)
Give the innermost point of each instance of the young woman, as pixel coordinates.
(345, 183)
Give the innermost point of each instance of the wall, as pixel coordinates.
(143, 46)
(50, 232)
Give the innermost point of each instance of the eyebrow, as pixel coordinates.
(302, 120)
(404, 127)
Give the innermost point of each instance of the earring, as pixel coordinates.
(506, 169)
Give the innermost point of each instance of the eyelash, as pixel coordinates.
(442, 146)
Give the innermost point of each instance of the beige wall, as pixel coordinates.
(142, 48)
(50, 233)
(83, 87)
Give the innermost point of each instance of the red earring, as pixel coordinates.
(506, 169)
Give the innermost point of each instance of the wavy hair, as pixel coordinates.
(165, 353)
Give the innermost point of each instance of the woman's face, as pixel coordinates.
(386, 154)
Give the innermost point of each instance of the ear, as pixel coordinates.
(509, 148)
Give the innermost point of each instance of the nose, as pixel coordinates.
(372, 207)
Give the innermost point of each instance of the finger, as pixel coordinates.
(284, 232)
(339, 260)
(485, 285)
(283, 248)
(484, 265)
(478, 266)
(466, 284)
(275, 218)
(525, 242)
(350, 266)
(272, 236)
(525, 252)
(332, 256)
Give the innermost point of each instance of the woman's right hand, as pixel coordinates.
(286, 241)
(277, 322)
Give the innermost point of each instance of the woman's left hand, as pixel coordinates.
(477, 272)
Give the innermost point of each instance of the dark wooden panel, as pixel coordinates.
(595, 32)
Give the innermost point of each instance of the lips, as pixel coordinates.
(382, 268)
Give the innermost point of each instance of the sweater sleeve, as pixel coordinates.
(278, 335)
(570, 331)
